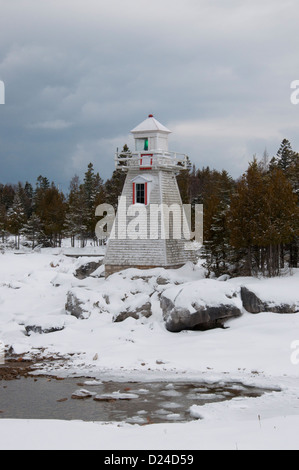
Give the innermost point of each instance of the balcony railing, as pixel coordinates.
(151, 159)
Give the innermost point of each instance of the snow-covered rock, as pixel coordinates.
(200, 304)
(87, 269)
(50, 324)
(76, 306)
(253, 304)
(139, 307)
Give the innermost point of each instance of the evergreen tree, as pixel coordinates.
(113, 186)
(33, 231)
(288, 161)
(216, 249)
(3, 222)
(183, 180)
(26, 196)
(7, 195)
(284, 155)
(51, 209)
(16, 218)
(93, 192)
(42, 184)
(74, 225)
(263, 217)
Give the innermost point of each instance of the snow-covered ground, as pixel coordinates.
(260, 349)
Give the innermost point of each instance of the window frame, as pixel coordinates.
(136, 191)
(149, 162)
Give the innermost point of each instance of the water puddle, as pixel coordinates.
(132, 402)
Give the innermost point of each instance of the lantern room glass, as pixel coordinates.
(142, 144)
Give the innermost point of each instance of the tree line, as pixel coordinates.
(251, 225)
(44, 215)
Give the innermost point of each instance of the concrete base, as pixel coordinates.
(115, 268)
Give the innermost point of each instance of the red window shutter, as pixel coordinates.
(145, 194)
(134, 199)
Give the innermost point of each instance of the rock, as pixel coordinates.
(178, 318)
(40, 330)
(142, 311)
(253, 304)
(44, 327)
(162, 281)
(201, 305)
(74, 306)
(87, 269)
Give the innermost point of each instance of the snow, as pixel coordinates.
(117, 396)
(280, 290)
(207, 292)
(254, 350)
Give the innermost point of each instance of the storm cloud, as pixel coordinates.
(79, 75)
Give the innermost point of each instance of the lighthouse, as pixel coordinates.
(150, 229)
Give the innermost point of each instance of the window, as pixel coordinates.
(146, 162)
(142, 144)
(140, 193)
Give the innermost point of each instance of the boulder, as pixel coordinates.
(45, 326)
(253, 304)
(143, 310)
(76, 307)
(87, 269)
(203, 305)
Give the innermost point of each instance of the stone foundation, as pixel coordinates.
(115, 268)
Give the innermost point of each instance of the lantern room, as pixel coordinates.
(150, 136)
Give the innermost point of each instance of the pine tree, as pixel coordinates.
(16, 218)
(114, 185)
(7, 195)
(246, 216)
(50, 207)
(263, 217)
(3, 222)
(183, 180)
(284, 155)
(282, 218)
(33, 231)
(74, 225)
(93, 191)
(216, 249)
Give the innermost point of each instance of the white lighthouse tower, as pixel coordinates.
(150, 227)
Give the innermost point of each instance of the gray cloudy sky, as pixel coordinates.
(80, 74)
